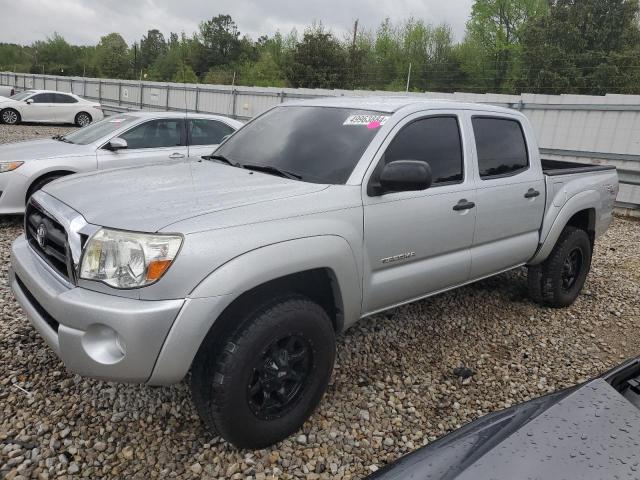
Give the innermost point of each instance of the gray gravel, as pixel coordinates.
(393, 389)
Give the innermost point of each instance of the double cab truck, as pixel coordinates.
(242, 267)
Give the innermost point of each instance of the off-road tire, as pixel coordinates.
(223, 368)
(548, 282)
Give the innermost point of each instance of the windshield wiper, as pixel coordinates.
(61, 139)
(222, 159)
(273, 170)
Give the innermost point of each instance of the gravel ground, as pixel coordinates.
(392, 391)
(16, 133)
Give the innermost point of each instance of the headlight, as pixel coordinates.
(128, 259)
(9, 166)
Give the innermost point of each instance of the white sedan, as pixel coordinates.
(126, 140)
(48, 106)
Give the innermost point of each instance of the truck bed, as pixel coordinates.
(558, 167)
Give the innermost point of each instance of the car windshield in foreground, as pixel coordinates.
(96, 131)
(315, 144)
(21, 96)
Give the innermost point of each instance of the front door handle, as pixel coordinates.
(464, 205)
(176, 155)
(531, 193)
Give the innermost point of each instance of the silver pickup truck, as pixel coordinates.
(243, 266)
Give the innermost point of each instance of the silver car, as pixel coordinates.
(243, 267)
(125, 140)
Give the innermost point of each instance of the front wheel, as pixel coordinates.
(268, 376)
(10, 116)
(558, 281)
(83, 119)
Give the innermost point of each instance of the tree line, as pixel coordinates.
(510, 46)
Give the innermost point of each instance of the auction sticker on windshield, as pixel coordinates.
(371, 121)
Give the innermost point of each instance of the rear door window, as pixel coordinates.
(62, 98)
(501, 147)
(207, 132)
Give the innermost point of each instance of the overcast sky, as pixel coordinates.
(84, 21)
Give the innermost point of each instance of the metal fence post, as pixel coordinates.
(119, 94)
(141, 95)
(197, 98)
(234, 93)
(167, 99)
(99, 91)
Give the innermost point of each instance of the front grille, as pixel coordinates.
(48, 238)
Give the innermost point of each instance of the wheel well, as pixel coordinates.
(56, 173)
(319, 285)
(87, 113)
(585, 220)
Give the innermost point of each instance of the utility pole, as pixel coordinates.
(408, 78)
(353, 55)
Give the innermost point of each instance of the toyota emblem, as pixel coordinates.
(41, 235)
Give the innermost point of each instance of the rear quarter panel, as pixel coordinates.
(569, 194)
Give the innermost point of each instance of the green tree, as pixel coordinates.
(220, 40)
(112, 56)
(318, 61)
(152, 46)
(494, 34)
(185, 74)
(587, 47)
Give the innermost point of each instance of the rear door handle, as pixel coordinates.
(531, 193)
(464, 205)
(176, 155)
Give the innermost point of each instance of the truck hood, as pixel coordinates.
(588, 431)
(152, 197)
(41, 150)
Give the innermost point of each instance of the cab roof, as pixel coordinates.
(395, 103)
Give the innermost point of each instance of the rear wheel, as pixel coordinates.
(83, 119)
(10, 116)
(265, 379)
(558, 281)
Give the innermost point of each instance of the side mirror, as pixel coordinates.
(405, 176)
(117, 144)
(29, 101)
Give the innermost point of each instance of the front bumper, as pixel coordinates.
(95, 334)
(13, 188)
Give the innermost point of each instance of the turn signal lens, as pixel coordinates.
(156, 269)
(9, 166)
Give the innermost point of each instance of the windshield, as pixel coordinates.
(318, 144)
(21, 96)
(96, 131)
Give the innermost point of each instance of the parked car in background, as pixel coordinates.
(243, 268)
(590, 431)
(6, 91)
(48, 106)
(120, 141)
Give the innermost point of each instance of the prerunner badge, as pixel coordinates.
(371, 121)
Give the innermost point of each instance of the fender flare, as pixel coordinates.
(586, 200)
(226, 283)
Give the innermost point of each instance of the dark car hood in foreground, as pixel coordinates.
(586, 432)
(151, 197)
